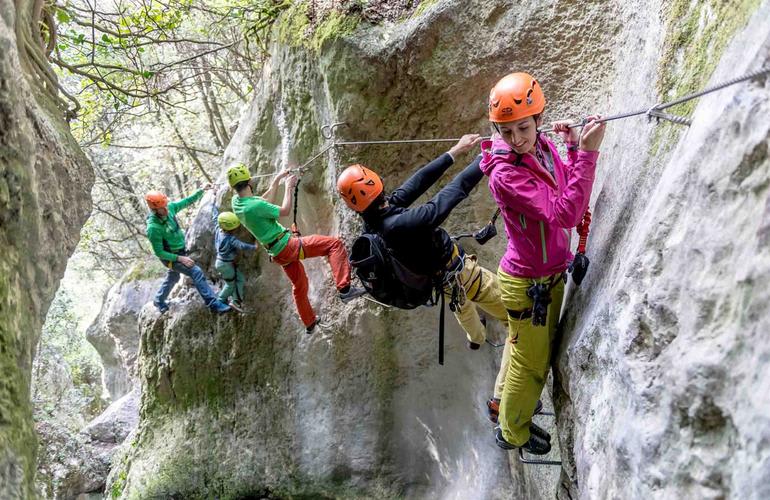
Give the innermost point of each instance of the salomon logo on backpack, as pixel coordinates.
(385, 278)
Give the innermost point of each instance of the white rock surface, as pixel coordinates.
(115, 333)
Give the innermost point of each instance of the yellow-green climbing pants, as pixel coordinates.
(529, 353)
(482, 290)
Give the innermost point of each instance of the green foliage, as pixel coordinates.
(63, 350)
(295, 26)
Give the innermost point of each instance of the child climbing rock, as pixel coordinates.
(415, 237)
(168, 244)
(228, 252)
(260, 216)
(541, 198)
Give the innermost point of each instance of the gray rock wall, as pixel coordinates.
(663, 366)
(246, 405)
(115, 331)
(45, 184)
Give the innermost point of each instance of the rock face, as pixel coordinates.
(45, 184)
(663, 370)
(658, 380)
(115, 332)
(76, 464)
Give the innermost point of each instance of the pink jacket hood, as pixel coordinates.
(538, 209)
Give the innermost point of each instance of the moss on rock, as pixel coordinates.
(697, 33)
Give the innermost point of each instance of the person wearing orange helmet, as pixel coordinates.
(541, 198)
(260, 216)
(168, 244)
(415, 237)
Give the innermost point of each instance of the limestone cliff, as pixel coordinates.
(659, 378)
(45, 184)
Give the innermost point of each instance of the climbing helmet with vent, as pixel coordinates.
(237, 173)
(359, 187)
(514, 97)
(156, 199)
(228, 221)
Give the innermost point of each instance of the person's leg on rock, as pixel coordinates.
(333, 249)
(171, 279)
(296, 273)
(227, 271)
(204, 289)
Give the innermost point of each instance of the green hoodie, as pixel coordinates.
(164, 233)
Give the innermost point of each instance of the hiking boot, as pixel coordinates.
(351, 293)
(493, 409)
(162, 306)
(535, 445)
(473, 346)
(538, 431)
(220, 307)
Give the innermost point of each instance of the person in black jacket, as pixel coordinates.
(415, 237)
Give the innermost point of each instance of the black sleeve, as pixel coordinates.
(433, 213)
(418, 183)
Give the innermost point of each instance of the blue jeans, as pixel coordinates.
(194, 272)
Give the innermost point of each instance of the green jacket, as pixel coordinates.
(164, 233)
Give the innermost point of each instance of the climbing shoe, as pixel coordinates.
(493, 409)
(473, 346)
(318, 324)
(535, 445)
(350, 293)
(237, 305)
(538, 431)
(162, 306)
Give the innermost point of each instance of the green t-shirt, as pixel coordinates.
(261, 219)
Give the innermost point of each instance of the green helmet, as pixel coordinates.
(228, 221)
(238, 173)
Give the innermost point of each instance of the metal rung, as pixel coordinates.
(531, 461)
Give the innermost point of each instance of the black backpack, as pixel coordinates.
(386, 278)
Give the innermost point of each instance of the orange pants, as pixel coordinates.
(306, 247)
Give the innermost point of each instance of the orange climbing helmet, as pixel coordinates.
(514, 97)
(156, 199)
(359, 187)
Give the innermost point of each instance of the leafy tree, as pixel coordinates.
(155, 89)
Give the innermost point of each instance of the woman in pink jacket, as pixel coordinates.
(541, 199)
